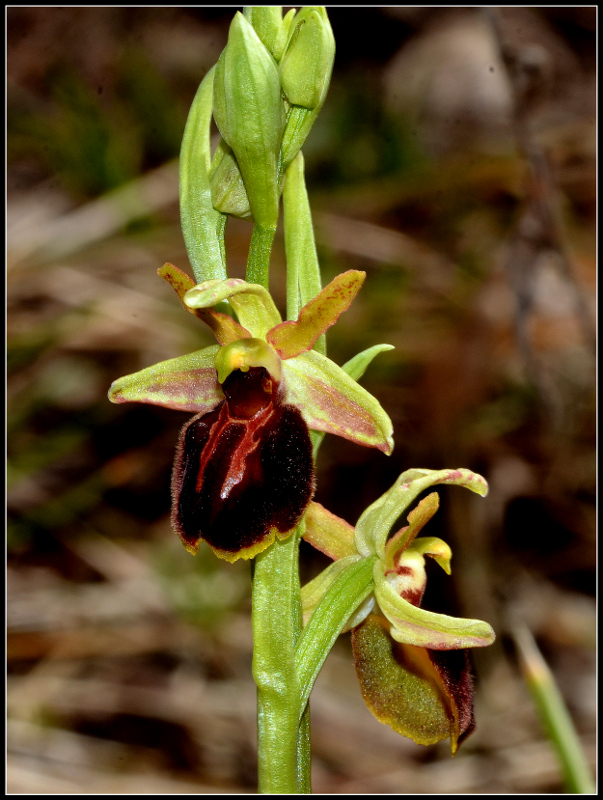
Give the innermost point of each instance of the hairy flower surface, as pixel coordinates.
(243, 472)
(412, 664)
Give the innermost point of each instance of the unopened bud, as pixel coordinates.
(305, 68)
(266, 22)
(307, 63)
(249, 113)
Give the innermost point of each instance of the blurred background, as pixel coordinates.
(454, 162)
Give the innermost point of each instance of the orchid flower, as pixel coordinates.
(243, 472)
(412, 664)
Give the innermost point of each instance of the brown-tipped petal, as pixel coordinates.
(225, 328)
(291, 338)
(243, 473)
(425, 696)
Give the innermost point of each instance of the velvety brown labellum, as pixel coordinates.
(424, 694)
(243, 472)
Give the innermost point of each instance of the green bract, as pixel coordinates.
(411, 678)
(202, 223)
(328, 398)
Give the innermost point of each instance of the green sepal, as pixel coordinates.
(252, 303)
(333, 402)
(186, 383)
(202, 224)
(355, 368)
(249, 113)
(284, 34)
(329, 533)
(293, 337)
(413, 625)
(424, 695)
(375, 523)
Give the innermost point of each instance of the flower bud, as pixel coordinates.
(266, 22)
(305, 69)
(249, 113)
(271, 29)
(307, 63)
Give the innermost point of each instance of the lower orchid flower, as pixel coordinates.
(243, 472)
(412, 664)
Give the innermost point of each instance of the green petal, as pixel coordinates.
(333, 402)
(187, 383)
(417, 518)
(329, 533)
(413, 625)
(254, 307)
(374, 525)
(291, 338)
(225, 328)
(425, 695)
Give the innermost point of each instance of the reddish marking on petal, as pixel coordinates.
(291, 338)
(186, 390)
(342, 416)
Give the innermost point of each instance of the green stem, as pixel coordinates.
(283, 737)
(554, 715)
(258, 261)
(276, 621)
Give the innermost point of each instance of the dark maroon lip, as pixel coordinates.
(243, 470)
